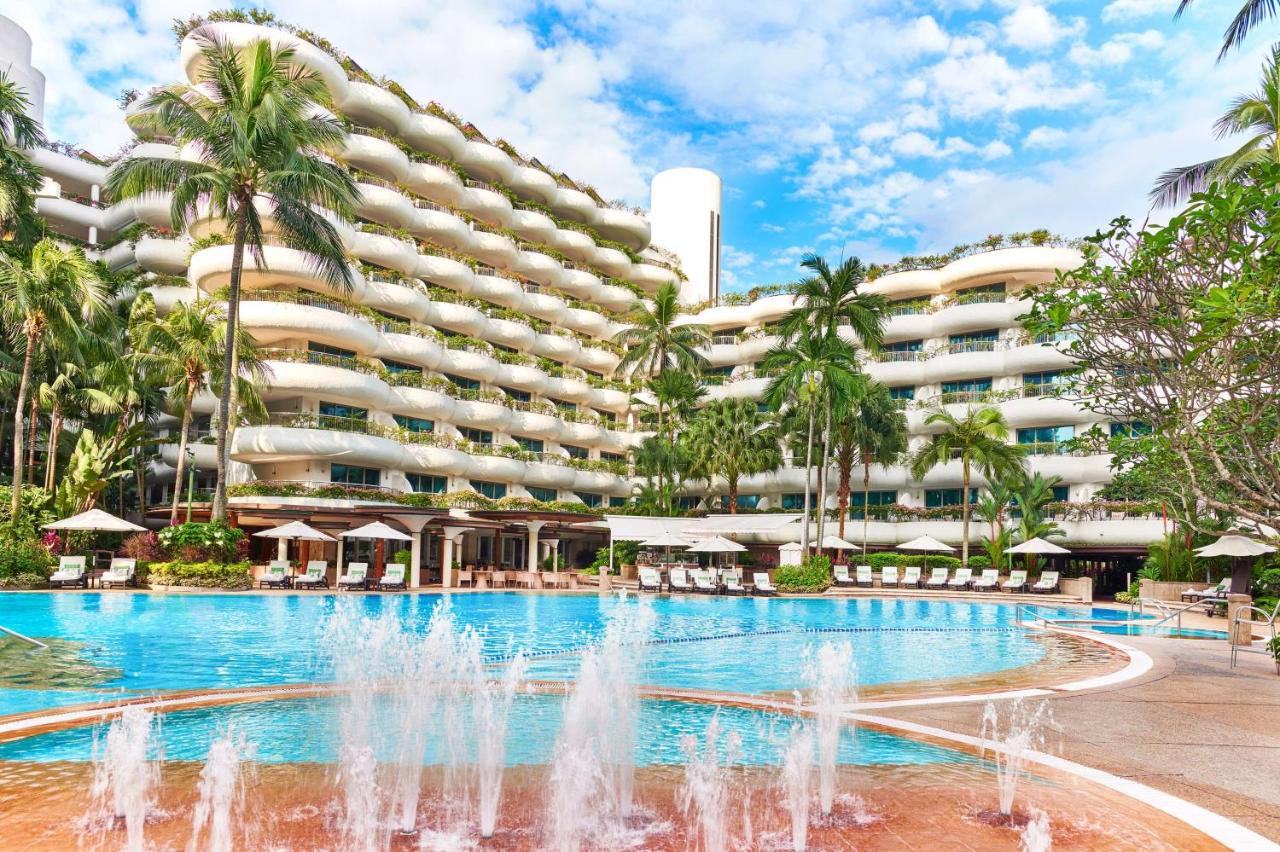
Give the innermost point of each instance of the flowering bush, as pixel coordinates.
(142, 546)
(205, 575)
(196, 542)
(52, 543)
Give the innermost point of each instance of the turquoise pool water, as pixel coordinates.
(115, 644)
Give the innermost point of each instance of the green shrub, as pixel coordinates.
(813, 576)
(24, 557)
(901, 560)
(404, 557)
(204, 575)
(979, 561)
(25, 580)
(215, 541)
(624, 553)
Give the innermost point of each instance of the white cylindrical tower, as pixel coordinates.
(684, 210)
(15, 62)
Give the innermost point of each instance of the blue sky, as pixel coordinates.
(872, 128)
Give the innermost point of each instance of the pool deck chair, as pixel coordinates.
(733, 586)
(1017, 582)
(888, 576)
(121, 573)
(910, 577)
(276, 575)
(393, 578)
(70, 573)
(840, 574)
(678, 580)
(987, 582)
(865, 577)
(962, 580)
(704, 581)
(314, 577)
(762, 585)
(937, 580)
(1047, 583)
(650, 580)
(356, 576)
(1218, 591)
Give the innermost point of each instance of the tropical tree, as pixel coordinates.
(52, 295)
(1032, 495)
(978, 439)
(1257, 114)
(802, 371)
(992, 508)
(19, 177)
(665, 466)
(69, 390)
(872, 431)
(655, 340)
(731, 438)
(1252, 13)
(261, 144)
(675, 397)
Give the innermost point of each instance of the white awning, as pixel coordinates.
(765, 528)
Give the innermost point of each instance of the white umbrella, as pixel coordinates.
(1037, 545)
(94, 520)
(377, 529)
(836, 543)
(1235, 545)
(667, 540)
(926, 543)
(295, 529)
(716, 544)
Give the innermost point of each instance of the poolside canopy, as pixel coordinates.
(1234, 545)
(716, 544)
(831, 542)
(926, 543)
(295, 529)
(666, 539)
(377, 529)
(94, 520)
(1037, 545)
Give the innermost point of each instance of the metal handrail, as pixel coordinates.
(16, 635)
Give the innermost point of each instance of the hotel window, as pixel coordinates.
(476, 436)
(325, 349)
(606, 416)
(1132, 429)
(338, 409)
(936, 498)
(613, 457)
(395, 367)
(563, 405)
(686, 503)
(987, 293)
(1061, 493)
(977, 338)
(874, 498)
(1045, 440)
(530, 445)
(492, 490)
(575, 452)
(414, 424)
(795, 502)
(968, 386)
(425, 483)
(521, 396)
(726, 371)
(463, 382)
(905, 346)
(349, 474)
(903, 392)
(592, 501)
(616, 502)
(546, 495)
(745, 501)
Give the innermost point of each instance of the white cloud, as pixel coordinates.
(982, 83)
(759, 203)
(995, 149)
(1044, 137)
(735, 259)
(1033, 27)
(916, 144)
(772, 228)
(1127, 10)
(1115, 51)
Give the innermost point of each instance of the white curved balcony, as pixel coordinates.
(613, 298)
(167, 257)
(770, 308)
(485, 204)
(611, 261)
(609, 399)
(167, 297)
(596, 360)
(1072, 469)
(305, 54)
(549, 475)
(409, 349)
(439, 226)
(374, 155)
(421, 402)
(463, 319)
(575, 244)
(1044, 411)
(596, 482)
(580, 283)
(473, 365)
(205, 456)
(387, 251)
(752, 349)
(544, 306)
(537, 266)
(587, 322)
(442, 461)
(589, 434)
(64, 212)
(521, 377)
(445, 272)
(434, 182)
(210, 269)
(288, 379)
(497, 468)
(514, 334)
(572, 390)
(618, 441)
(399, 299)
(958, 319)
(487, 162)
(533, 425)
(373, 105)
(573, 204)
(494, 249)
(532, 183)
(622, 225)
(271, 322)
(895, 373)
(481, 415)
(496, 290)
(557, 348)
(652, 277)
(964, 365)
(435, 135)
(723, 354)
(533, 225)
(1036, 358)
(908, 327)
(275, 444)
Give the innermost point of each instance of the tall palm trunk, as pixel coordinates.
(866, 495)
(182, 450)
(808, 470)
(19, 430)
(31, 439)
(733, 495)
(842, 491)
(822, 476)
(51, 458)
(219, 511)
(964, 512)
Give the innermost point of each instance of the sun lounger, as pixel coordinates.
(393, 577)
(276, 575)
(357, 573)
(1047, 583)
(314, 576)
(704, 581)
(762, 585)
(962, 579)
(121, 573)
(865, 577)
(937, 580)
(733, 586)
(1218, 591)
(650, 580)
(1017, 582)
(70, 573)
(840, 574)
(678, 580)
(987, 582)
(888, 576)
(910, 577)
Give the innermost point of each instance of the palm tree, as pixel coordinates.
(1033, 494)
(1252, 13)
(873, 432)
(802, 372)
(69, 390)
(676, 395)
(253, 119)
(665, 466)
(980, 438)
(655, 341)
(732, 439)
(1257, 114)
(990, 509)
(19, 177)
(52, 295)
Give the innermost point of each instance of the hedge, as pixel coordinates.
(204, 575)
(813, 576)
(977, 561)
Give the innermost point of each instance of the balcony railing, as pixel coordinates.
(899, 355)
(724, 339)
(963, 346)
(323, 359)
(978, 298)
(912, 308)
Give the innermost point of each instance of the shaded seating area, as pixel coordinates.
(355, 578)
(70, 574)
(314, 577)
(393, 578)
(121, 573)
(276, 576)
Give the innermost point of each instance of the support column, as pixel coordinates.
(534, 527)
(415, 570)
(450, 535)
(1242, 635)
(341, 542)
(282, 548)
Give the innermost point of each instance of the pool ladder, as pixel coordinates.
(16, 635)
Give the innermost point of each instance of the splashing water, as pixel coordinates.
(491, 707)
(706, 789)
(221, 803)
(797, 771)
(1023, 731)
(593, 767)
(832, 678)
(124, 779)
(1036, 836)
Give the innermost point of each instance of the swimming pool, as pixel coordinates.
(106, 646)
